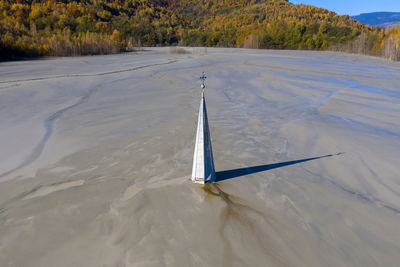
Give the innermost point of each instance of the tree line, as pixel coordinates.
(64, 28)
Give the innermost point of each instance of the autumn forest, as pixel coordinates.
(68, 28)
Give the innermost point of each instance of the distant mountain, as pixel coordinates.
(380, 19)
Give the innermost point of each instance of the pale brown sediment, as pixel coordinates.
(109, 183)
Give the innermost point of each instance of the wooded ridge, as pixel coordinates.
(65, 28)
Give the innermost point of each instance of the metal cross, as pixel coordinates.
(203, 78)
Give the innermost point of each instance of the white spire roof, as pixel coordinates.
(203, 163)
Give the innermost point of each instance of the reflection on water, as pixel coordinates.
(241, 225)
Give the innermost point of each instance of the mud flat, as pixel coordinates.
(96, 154)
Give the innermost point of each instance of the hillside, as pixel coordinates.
(380, 19)
(63, 28)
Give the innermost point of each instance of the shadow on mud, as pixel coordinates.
(230, 174)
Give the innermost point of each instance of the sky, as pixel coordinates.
(353, 7)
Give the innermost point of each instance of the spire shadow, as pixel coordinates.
(234, 173)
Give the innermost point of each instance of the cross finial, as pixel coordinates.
(203, 78)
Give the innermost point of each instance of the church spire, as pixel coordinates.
(203, 163)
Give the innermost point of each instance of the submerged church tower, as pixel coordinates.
(203, 163)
